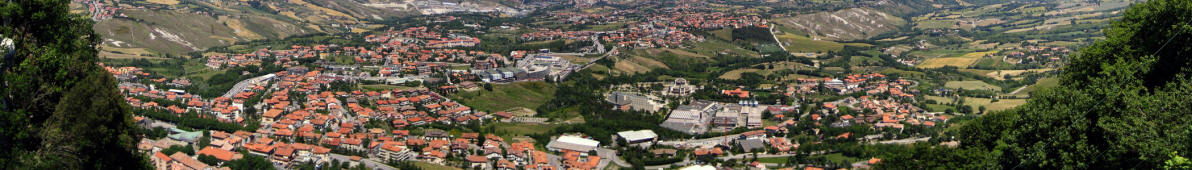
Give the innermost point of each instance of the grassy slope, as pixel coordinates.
(506, 96)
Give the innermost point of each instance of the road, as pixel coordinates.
(776, 38)
(700, 143)
(609, 154)
(1015, 92)
(609, 53)
(244, 84)
(905, 141)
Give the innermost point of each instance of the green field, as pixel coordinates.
(724, 34)
(972, 85)
(506, 96)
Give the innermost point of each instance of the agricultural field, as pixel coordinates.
(971, 85)
(126, 53)
(958, 61)
(976, 103)
(1001, 74)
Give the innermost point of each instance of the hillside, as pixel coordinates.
(844, 25)
(172, 28)
(165, 31)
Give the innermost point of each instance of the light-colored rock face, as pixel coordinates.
(844, 25)
(6, 46)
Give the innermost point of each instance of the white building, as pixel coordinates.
(572, 143)
(642, 138)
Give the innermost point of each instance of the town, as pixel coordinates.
(575, 84)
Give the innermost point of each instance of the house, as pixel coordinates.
(477, 161)
(393, 151)
(160, 160)
(182, 161)
(752, 144)
(222, 155)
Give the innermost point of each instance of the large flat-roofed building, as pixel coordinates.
(572, 143)
(693, 118)
(643, 138)
(631, 101)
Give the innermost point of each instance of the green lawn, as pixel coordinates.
(505, 96)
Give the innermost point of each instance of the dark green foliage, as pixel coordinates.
(249, 162)
(753, 34)
(59, 109)
(178, 148)
(925, 156)
(209, 160)
(1123, 103)
(1158, 28)
(192, 120)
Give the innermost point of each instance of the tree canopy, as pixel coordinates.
(58, 108)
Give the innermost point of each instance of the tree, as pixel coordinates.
(1177, 162)
(1121, 103)
(206, 139)
(178, 148)
(250, 162)
(208, 159)
(59, 110)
